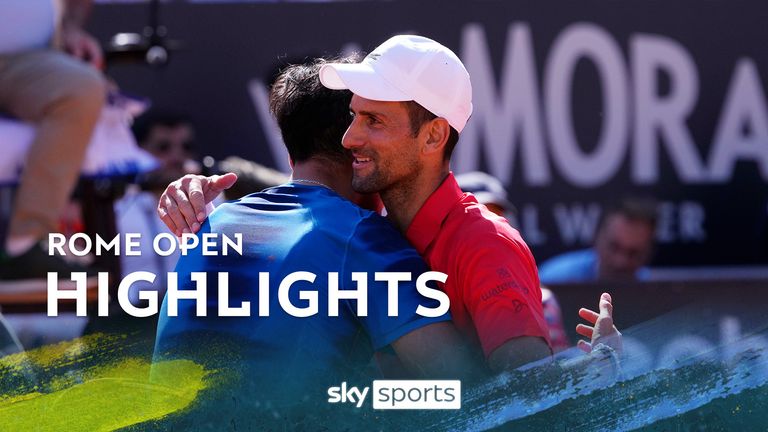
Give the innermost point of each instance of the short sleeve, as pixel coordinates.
(376, 246)
(501, 292)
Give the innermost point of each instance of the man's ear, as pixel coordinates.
(436, 133)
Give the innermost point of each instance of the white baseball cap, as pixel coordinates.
(409, 68)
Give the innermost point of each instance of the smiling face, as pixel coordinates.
(386, 154)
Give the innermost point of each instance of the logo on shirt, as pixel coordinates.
(500, 288)
(517, 305)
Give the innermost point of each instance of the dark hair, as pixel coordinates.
(251, 176)
(635, 209)
(312, 118)
(418, 115)
(143, 124)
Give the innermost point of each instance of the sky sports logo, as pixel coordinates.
(401, 394)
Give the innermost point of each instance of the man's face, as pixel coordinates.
(173, 146)
(623, 246)
(385, 152)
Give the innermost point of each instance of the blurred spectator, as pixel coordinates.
(623, 246)
(62, 97)
(490, 192)
(170, 138)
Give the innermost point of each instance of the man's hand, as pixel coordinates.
(602, 329)
(81, 45)
(182, 205)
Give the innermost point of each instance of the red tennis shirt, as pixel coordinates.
(492, 280)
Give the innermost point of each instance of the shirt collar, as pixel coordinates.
(429, 219)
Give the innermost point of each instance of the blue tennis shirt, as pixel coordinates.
(286, 229)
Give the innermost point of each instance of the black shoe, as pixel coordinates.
(29, 271)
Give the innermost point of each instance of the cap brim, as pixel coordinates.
(361, 80)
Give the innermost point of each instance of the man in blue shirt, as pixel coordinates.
(308, 225)
(294, 227)
(401, 140)
(623, 246)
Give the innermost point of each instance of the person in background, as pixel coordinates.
(489, 191)
(623, 247)
(62, 95)
(170, 138)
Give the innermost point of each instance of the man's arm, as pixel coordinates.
(518, 352)
(427, 345)
(500, 290)
(75, 40)
(182, 204)
(436, 351)
(523, 350)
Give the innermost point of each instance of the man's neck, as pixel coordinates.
(404, 201)
(328, 173)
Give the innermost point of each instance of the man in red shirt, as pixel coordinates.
(492, 283)
(412, 97)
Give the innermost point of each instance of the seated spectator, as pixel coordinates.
(622, 248)
(62, 96)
